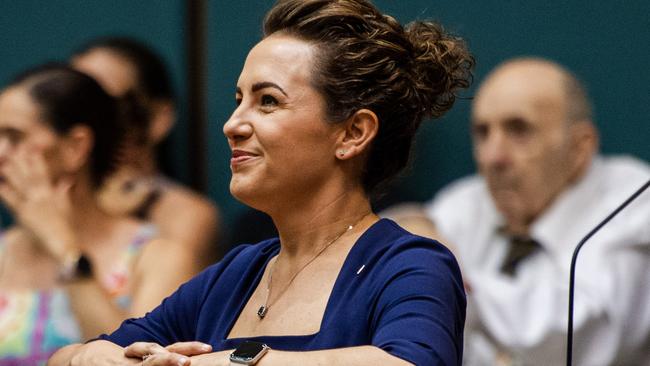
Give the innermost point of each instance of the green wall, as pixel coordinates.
(607, 44)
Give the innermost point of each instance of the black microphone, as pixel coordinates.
(569, 346)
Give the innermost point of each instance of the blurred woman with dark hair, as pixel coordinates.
(124, 66)
(68, 270)
(328, 104)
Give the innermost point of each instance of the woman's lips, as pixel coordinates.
(240, 157)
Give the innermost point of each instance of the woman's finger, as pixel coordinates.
(21, 167)
(9, 196)
(189, 348)
(38, 169)
(141, 349)
(12, 176)
(165, 359)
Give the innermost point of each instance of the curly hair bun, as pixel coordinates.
(442, 66)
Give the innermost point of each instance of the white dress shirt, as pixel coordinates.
(522, 319)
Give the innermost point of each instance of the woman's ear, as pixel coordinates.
(359, 131)
(162, 120)
(76, 148)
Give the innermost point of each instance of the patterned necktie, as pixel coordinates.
(520, 248)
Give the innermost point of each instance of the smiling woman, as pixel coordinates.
(328, 104)
(277, 132)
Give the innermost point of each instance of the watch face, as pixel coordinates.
(248, 351)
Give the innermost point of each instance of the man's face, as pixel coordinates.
(522, 140)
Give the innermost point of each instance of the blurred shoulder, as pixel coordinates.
(623, 169)
(463, 189)
(186, 217)
(616, 177)
(465, 194)
(178, 198)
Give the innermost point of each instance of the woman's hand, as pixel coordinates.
(177, 354)
(212, 359)
(41, 206)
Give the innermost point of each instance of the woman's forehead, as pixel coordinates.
(278, 58)
(16, 103)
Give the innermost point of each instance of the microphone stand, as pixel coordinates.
(569, 352)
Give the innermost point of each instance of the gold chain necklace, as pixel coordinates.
(261, 312)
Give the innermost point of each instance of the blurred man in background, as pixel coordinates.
(541, 187)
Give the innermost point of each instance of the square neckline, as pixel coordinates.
(273, 251)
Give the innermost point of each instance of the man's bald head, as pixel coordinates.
(559, 79)
(533, 136)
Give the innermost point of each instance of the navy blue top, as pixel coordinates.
(408, 300)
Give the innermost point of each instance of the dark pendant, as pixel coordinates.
(261, 312)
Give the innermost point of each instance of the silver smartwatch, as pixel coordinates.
(248, 353)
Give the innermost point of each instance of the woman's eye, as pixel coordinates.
(237, 101)
(268, 100)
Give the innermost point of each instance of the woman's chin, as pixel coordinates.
(244, 193)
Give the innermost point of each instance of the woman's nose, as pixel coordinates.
(238, 127)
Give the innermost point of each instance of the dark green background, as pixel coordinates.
(607, 44)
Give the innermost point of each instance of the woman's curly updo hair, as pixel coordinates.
(366, 59)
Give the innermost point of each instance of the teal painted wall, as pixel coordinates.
(233, 29)
(607, 44)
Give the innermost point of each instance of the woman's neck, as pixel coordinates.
(305, 229)
(89, 222)
(142, 159)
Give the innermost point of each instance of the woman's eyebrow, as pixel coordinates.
(267, 84)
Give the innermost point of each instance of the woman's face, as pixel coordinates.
(22, 130)
(282, 145)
